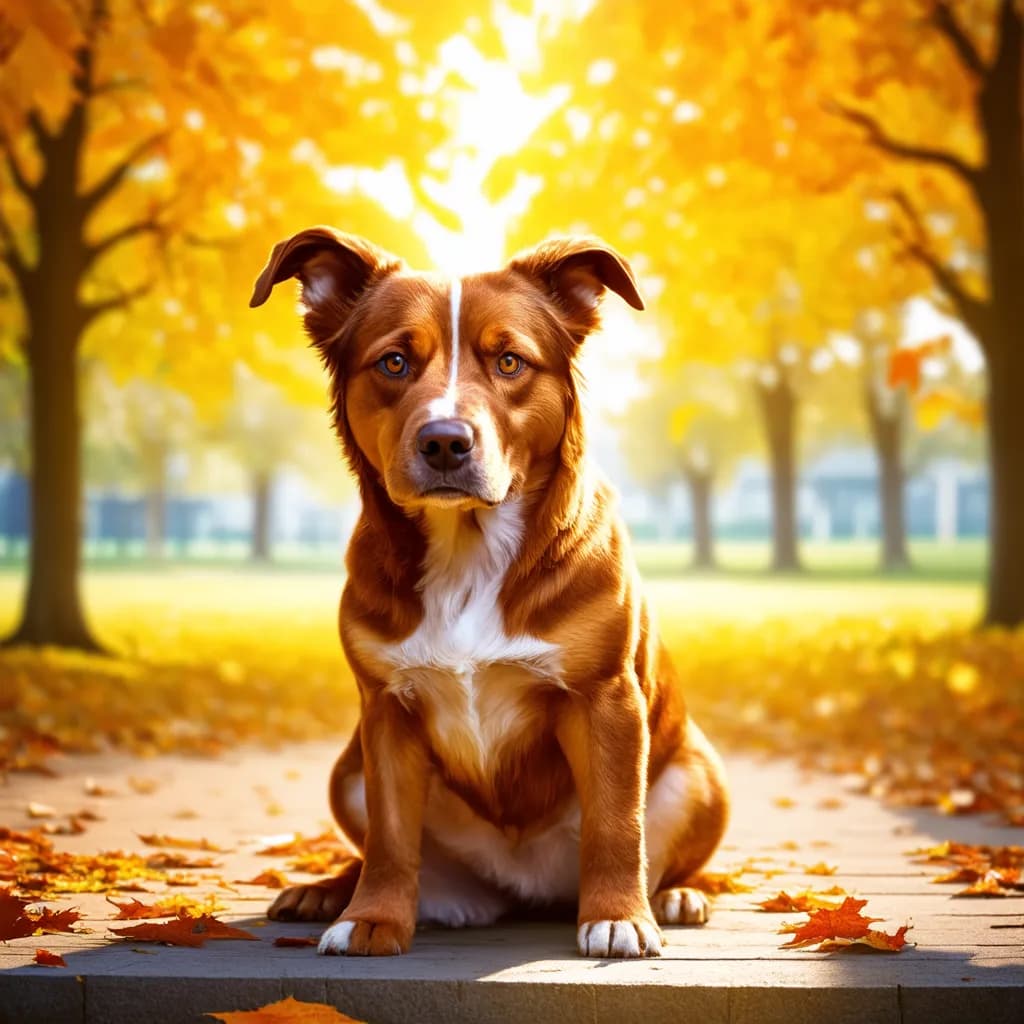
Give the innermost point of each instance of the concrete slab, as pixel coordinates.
(968, 963)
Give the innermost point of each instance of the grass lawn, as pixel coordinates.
(846, 669)
(180, 611)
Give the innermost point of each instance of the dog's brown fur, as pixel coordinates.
(596, 717)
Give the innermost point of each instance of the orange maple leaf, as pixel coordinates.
(714, 883)
(806, 901)
(184, 930)
(287, 1011)
(845, 921)
(45, 958)
(833, 929)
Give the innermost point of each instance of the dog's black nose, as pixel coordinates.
(445, 444)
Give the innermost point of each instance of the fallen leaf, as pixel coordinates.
(170, 906)
(830, 803)
(715, 883)
(296, 940)
(270, 879)
(177, 843)
(37, 810)
(45, 958)
(873, 939)
(179, 861)
(142, 786)
(991, 885)
(55, 920)
(18, 922)
(784, 802)
(841, 927)
(287, 1011)
(215, 929)
(806, 901)
(821, 868)
(184, 930)
(14, 924)
(179, 932)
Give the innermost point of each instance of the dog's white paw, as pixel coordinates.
(365, 938)
(334, 941)
(681, 906)
(618, 939)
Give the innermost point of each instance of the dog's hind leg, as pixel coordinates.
(687, 811)
(326, 899)
(318, 901)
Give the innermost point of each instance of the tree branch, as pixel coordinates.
(881, 139)
(150, 225)
(974, 312)
(946, 22)
(120, 301)
(134, 230)
(17, 174)
(113, 178)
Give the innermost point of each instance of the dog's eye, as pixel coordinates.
(510, 365)
(394, 364)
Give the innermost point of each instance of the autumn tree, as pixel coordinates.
(263, 434)
(133, 432)
(914, 104)
(151, 154)
(701, 412)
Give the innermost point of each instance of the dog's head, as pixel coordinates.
(451, 392)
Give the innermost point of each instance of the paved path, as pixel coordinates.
(967, 965)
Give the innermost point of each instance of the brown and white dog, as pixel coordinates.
(523, 737)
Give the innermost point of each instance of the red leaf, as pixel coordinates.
(56, 920)
(184, 930)
(179, 932)
(45, 958)
(14, 924)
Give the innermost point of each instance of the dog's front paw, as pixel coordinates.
(365, 938)
(681, 905)
(631, 938)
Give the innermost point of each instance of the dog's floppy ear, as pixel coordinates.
(334, 268)
(575, 272)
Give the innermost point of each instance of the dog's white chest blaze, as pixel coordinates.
(471, 679)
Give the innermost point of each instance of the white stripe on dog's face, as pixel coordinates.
(443, 408)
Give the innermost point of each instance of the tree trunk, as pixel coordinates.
(778, 410)
(262, 491)
(52, 613)
(1004, 604)
(1000, 192)
(887, 427)
(700, 485)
